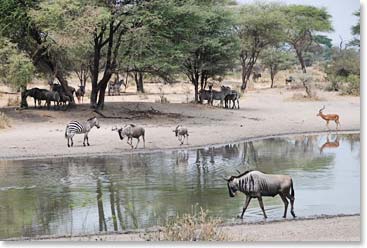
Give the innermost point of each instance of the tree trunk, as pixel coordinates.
(301, 61)
(139, 76)
(272, 75)
(196, 85)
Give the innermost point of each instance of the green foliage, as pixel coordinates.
(344, 71)
(16, 68)
(277, 59)
(303, 25)
(356, 30)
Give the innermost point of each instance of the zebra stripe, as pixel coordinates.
(76, 127)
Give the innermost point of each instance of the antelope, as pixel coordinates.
(329, 117)
(328, 144)
(255, 184)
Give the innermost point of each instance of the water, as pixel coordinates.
(71, 196)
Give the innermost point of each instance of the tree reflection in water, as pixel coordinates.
(78, 195)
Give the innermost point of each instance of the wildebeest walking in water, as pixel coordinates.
(255, 184)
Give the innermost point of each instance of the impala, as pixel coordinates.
(329, 117)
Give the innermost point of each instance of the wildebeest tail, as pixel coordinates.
(292, 189)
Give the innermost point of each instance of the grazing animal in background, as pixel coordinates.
(220, 95)
(233, 96)
(255, 76)
(114, 87)
(181, 133)
(329, 117)
(131, 131)
(76, 127)
(255, 184)
(80, 93)
(37, 94)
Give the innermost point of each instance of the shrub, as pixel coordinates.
(4, 121)
(193, 227)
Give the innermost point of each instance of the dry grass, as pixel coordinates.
(303, 97)
(192, 227)
(4, 121)
(13, 101)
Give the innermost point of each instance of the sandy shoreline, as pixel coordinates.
(40, 133)
(322, 228)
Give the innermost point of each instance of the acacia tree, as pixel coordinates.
(259, 26)
(276, 59)
(16, 68)
(302, 24)
(17, 25)
(356, 30)
(209, 46)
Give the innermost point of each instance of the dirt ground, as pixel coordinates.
(346, 228)
(40, 133)
(263, 112)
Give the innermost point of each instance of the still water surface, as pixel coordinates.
(115, 193)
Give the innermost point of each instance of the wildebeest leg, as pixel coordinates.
(137, 143)
(187, 139)
(291, 198)
(238, 104)
(260, 199)
(131, 142)
(285, 201)
(247, 202)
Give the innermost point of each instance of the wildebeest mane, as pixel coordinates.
(242, 174)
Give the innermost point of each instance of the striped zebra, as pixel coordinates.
(76, 127)
(255, 184)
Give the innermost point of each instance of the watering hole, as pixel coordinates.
(87, 195)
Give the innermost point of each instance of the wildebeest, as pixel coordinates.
(37, 94)
(80, 93)
(255, 184)
(131, 131)
(205, 95)
(76, 127)
(181, 133)
(52, 96)
(233, 96)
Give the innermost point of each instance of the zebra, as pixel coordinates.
(114, 87)
(182, 133)
(255, 184)
(76, 127)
